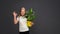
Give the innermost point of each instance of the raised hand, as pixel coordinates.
(14, 14)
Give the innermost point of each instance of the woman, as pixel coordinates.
(23, 28)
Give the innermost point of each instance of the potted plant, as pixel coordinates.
(30, 17)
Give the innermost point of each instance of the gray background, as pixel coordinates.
(47, 16)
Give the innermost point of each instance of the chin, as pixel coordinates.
(22, 15)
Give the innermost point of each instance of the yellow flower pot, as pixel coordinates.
(29, 23)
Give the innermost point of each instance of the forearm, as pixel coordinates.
(15, 20)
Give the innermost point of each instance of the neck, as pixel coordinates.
(22, 16)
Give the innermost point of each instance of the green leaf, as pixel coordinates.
(30, 15)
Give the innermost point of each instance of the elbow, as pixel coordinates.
(15, 23)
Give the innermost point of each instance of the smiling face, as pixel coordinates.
(22, 11)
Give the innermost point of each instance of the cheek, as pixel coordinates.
(22, 13)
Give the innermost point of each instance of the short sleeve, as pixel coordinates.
(26, 18)
(18, 18)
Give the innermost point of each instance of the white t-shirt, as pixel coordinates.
(22, 24)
